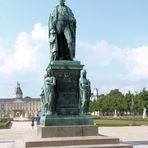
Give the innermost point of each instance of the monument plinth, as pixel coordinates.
(67, 74)
(67, 99)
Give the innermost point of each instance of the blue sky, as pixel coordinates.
(112, 43)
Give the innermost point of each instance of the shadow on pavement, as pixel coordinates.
(134, 143)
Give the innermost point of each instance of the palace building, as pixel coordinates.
(17, 106)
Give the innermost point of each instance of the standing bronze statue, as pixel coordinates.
(48, 93)
(85, 93)
(62, 32)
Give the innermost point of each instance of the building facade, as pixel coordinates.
(17, 106)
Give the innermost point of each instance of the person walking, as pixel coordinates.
(37, 119)
(32, 122)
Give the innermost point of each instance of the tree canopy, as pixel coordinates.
(122, 103)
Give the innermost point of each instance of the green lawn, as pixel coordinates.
(120, 122)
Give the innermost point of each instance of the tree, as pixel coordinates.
(93, 106)
(117, 101)
(128, 98)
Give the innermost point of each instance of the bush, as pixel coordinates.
(4, 123)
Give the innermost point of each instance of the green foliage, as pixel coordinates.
(94, 106)
(4, 123)
(143, 95)
(115, 100)
(128, 98)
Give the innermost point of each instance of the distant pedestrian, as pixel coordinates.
(37, 119)
(32, 122)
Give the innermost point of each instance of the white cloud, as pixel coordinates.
(123, 88)
(137, 62)
(2, 49)
(28, 51)
(40, 32)
(111, 67)
(134, 60)
(131, 87)
(99, 53)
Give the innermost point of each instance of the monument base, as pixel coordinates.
(48, 120)
(67, 131)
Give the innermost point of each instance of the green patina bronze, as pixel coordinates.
(48, 94)
(66, 90)
(62, 30)
(85, 93)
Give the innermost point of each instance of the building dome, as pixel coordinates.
(18, 92)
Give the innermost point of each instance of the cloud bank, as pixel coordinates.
(108, 66)
(28, 52)
(134, 60)
(114, 67)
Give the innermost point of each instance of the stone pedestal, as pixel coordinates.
(67, 74)
(67, 131)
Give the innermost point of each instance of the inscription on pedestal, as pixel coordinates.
(67, 87)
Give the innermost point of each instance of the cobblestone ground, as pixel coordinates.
(14, 137)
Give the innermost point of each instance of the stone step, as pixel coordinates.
(71, 141)
(91, 146)
(67, 131)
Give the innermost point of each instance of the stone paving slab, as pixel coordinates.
(7, 144)
(127, 133)
(135, 135)
(137, 144)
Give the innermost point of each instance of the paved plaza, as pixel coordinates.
(20, 131)
(15, 136)
(135, 135)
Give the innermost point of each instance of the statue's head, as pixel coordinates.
(62, 2)
(50, 72)
(84, 73)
